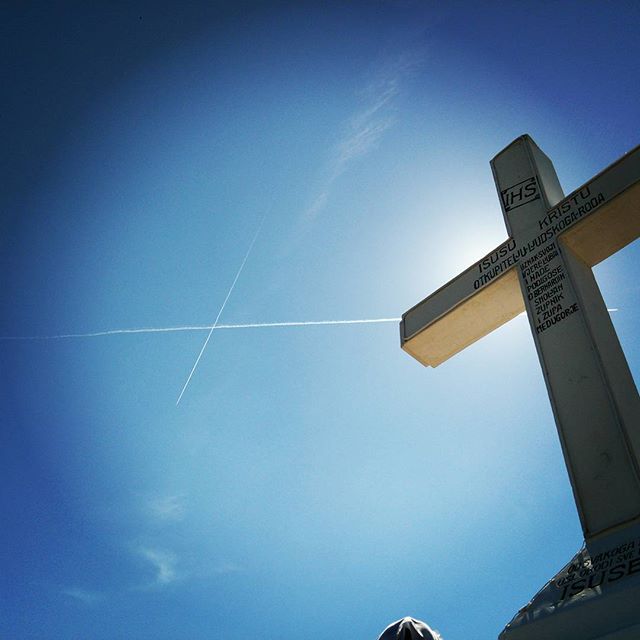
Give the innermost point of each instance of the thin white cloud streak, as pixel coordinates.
(163, 562)
(224, 304)
(358, 143)
(167, 508)
(207, 327)
(82, 595)
(226, 568)
(363, 130)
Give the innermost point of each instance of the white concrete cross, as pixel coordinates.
(544, 267)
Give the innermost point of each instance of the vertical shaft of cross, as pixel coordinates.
(593, 396)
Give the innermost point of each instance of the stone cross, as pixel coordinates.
(544, 268)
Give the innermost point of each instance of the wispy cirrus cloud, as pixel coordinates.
(225, 568)
(163, 562)
(364, 129)
(85, 596)
(168, 508)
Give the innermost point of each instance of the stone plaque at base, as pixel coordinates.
(595, 596)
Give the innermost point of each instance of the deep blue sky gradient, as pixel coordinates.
(314, 482)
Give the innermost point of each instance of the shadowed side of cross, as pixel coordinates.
(544, 267)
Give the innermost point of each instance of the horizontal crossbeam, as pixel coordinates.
(595, 220)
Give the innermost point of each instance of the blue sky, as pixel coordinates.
(314, 481)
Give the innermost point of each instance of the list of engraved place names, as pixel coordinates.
(548, 293)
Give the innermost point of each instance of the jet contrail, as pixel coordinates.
(256, 325)
(200, 327)
(207, 327)
(224, 304)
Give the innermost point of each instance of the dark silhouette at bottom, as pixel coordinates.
(409, 629)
